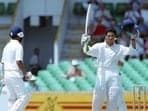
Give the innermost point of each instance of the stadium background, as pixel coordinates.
(55, 26)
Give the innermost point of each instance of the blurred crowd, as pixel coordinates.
(132, 20)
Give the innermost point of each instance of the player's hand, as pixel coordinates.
(85, 38)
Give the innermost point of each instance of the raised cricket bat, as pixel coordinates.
(89, 17)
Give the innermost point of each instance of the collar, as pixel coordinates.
(13, 40)
(107, 46)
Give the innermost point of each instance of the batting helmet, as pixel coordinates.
(16, 32)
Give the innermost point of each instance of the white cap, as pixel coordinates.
(75, 62)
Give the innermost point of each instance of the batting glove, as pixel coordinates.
(85, 42)
(85, 38)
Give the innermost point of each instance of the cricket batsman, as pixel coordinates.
(108, 55)
(14, 70)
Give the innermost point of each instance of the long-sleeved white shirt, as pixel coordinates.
(108, 56)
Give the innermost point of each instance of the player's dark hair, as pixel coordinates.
(111, 30)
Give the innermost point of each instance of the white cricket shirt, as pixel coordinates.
(108, 56)
(12, 52)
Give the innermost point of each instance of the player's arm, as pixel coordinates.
(132, 46)
(129, 50)
(27, 75)
(21, 66)
(19, 59)
(88, 49)
(133, 42)
(89, 24)
(20, 63)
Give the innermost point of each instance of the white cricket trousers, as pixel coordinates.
(18, 98)
(107, 87)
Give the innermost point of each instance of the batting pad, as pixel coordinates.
(21, 103)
